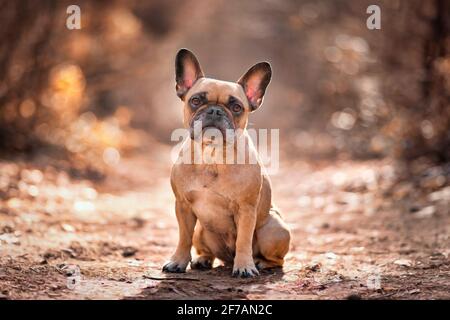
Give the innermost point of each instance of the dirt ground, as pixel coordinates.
(361, 230)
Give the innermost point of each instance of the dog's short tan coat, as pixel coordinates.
(225, 210)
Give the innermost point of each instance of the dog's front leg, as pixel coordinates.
(186, 224)
(244, 266)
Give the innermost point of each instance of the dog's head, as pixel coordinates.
(218, 104)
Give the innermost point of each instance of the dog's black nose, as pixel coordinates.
(215, 112)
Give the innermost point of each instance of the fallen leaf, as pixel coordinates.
(403, 262)
(330, 255)
(9, 238)
(426, 212)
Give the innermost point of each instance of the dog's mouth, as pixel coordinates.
(213, 133)
(203, 127)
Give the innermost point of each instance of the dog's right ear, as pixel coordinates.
(187, 71)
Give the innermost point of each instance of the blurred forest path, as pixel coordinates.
(86, 208)
(359, 231)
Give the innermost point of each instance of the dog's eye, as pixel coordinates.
(236, 108)
(195, 101)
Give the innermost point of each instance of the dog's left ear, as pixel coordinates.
(187, 71)
(255, 82)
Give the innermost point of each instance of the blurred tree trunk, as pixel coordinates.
(24, 64)
(416, 61)
(436, 85)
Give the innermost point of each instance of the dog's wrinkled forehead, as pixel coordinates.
(218, 91)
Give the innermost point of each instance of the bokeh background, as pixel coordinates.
(339, 89)
(86, 118)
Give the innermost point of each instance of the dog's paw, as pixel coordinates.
(174, 266)
(245, 271)
(202, 263)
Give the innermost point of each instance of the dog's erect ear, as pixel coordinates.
(187, 71)
(255, 82)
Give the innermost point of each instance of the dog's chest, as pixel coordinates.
(209, 179)
(212, 200)
(215, 191)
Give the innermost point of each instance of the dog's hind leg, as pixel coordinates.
(205, 258)
(272, 242)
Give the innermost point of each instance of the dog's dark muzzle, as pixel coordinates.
(213, 116)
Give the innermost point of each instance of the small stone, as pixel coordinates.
(67, 227)
(129, 251)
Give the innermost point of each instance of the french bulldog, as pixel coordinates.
(223, 209)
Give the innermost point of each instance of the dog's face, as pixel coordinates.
(218, 104)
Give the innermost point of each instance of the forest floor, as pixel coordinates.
(360, 230)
